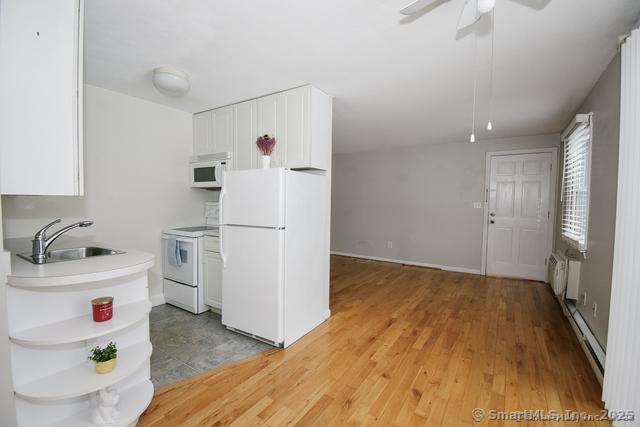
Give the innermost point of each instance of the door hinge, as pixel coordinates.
(545, 261)
(548, 214)
(550, 166)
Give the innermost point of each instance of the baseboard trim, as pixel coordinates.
(417, 264)
(157, 300)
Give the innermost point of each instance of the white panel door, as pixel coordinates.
(252, 280)
(253, 197)
(212, 279)
(519, 216)
(270, 123)
(246, 151)
(202, 133)
(222, 121)
(296, 127)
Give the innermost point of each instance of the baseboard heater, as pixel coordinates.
(590, 345)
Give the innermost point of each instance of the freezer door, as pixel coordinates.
(252, 281)
(253, 197)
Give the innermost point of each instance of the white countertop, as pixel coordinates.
(25, 274)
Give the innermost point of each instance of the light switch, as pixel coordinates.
(477, 205)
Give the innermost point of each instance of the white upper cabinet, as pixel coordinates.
(245, 128)
(202, 133)
(41, 97)
(213, 131)
(222, 120)
(296, 129)
(299, 119)
(269, 123)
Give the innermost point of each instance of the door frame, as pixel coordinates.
(553, 184)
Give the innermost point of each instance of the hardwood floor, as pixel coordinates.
(404, 346)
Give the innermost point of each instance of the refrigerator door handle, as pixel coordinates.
(223, 257)
(221, 206)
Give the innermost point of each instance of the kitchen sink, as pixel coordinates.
(71, 254)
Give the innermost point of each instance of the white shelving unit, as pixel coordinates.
(51, 332)
(82, 379)
(131, 400)
(83, 328)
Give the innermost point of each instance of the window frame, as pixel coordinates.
(578, 120)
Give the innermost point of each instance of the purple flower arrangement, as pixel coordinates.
(266, 144)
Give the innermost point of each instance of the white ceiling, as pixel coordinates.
(396, 80)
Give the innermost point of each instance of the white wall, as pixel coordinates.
(596, 269)
(419, 198)
(136, 178)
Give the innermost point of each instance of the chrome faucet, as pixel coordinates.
(41, 242)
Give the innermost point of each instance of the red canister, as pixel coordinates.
(102, 309)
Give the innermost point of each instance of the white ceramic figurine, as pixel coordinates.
(105, 411)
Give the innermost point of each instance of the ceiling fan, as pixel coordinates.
(471, 12)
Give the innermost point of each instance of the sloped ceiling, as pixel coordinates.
(396, 81)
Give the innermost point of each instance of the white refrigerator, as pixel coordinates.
(274, 249)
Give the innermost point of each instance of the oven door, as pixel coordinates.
(206, 174)
(187, 273)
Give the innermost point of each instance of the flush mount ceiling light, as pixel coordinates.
(486, 6)
(171, 81)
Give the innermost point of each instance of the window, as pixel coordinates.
(575, 181)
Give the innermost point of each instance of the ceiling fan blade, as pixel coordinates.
(416, 6)
(468, 15)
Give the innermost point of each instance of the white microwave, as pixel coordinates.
(207, 171)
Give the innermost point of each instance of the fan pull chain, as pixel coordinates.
(472, 139)
(489, 125)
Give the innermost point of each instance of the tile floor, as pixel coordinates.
(185, 344)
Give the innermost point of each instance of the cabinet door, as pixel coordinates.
(202, 133)
(246, 151)
(296, 132)
(269, 122)
(41, 97)
(212, 279)
(222, 119)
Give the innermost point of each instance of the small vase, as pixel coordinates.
(266, 162)
(105, 367)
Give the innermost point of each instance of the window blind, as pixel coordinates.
(575, 185)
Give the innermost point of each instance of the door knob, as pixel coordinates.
(492, 222)
(492, 214)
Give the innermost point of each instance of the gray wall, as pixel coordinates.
(595, 270)
(419, 198)
(136, 179)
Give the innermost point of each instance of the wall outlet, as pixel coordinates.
(389, 244)
(595, 310)
(584, 298)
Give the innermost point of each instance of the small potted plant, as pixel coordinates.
(105, 358)
(266, 144)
